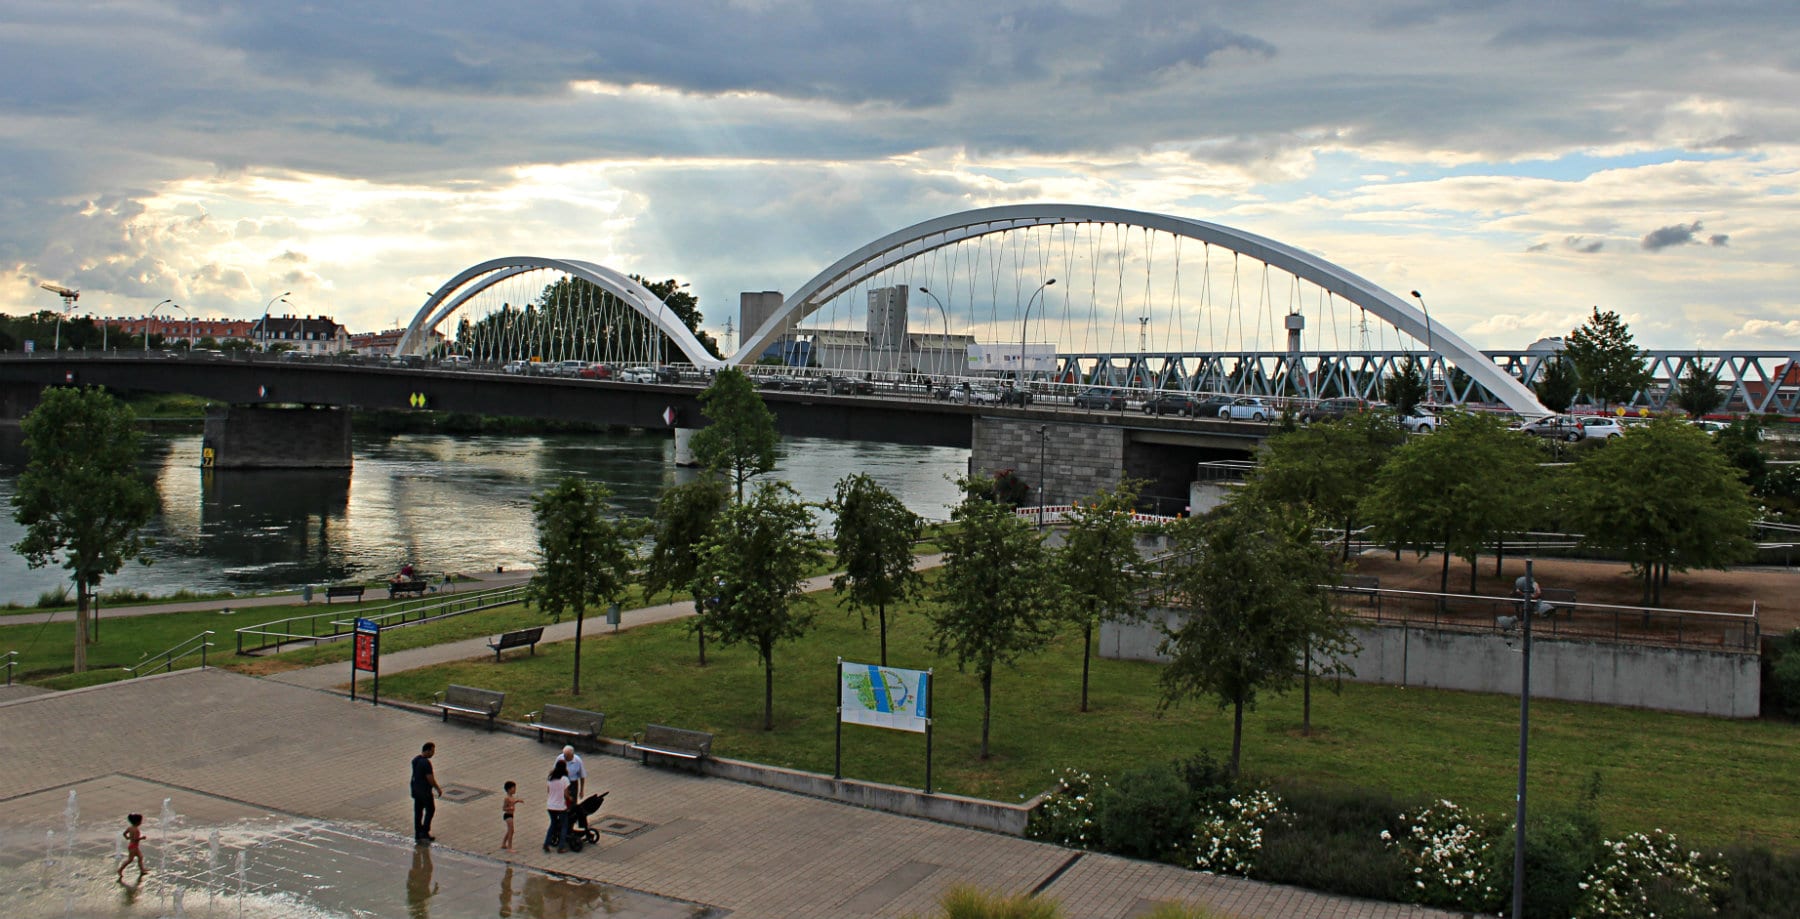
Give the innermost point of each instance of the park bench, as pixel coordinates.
(467, 700)
(415, 586)
(519, 639)
(679, 743)
(1366, 585)
(335, 591)
(567, 722)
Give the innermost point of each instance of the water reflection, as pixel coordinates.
(445, 503)
(419, 888)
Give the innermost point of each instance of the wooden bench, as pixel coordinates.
(415, 586)
(467, 700)
(567, 722)
(679, 743)
(519, 639)
(344, 590)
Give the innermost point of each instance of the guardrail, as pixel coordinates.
(1681, 628)
(164, 662)
(330, 624)
(12, 660)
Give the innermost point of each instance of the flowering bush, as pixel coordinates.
(1449, 853)
(1230, 833)
(1066, 816)
(1650, 875)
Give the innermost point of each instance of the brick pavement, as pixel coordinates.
(267, 746)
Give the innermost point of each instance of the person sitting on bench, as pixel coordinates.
(1529, 590)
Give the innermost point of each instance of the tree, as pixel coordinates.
(1698, 392)
(996, 595)
(1251, 582)
(1406, 388)
(740, 434)
(1610, 366)
(584, 556)
(1101, 572)
(1556, 384)
(1665, 498)
(1328, 466)
(1468, 485)
(749, 578)
(684, 516)
(874, 535)
(80, 498)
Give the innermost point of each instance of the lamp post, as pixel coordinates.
(147, 318)
(1143, 345)
(1043, 474)
(1023, 324)
(1429, 350)
(263, 331)
(1527, 608)
(944, 356)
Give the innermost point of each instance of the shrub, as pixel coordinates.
(1760, 884)
(1066, 816)
(1229, 836)
(1207, 779)
(1784, 675)
(1326, 841)
(57, 596)
(1147, 813)
(1451, 854)
(1560, 850)
(966, 902)
(1651, 875)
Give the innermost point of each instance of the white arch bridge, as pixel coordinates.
(1112, 296)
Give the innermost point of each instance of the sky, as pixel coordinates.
(1522, 162)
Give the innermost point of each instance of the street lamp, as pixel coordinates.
(661, 338)
(264, 330)
(1528, 607)
(1143, 345)
(1043, 474)
(149, 316)
(1428, 346)
(1023, 324)
(946, 314)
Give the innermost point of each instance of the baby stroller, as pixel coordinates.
(580, 833)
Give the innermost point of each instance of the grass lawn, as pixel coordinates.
(1710, 780)
(46, 648)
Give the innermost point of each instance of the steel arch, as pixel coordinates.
(921, 238)
(447, 299)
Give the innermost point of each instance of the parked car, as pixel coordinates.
(1601, 427)
(1553, 427)
(850, 386)
(456, 362)
(1102, 398)
(971, 395)
(516, 367)
(1173, 403)
(566, 368)
(595, 371)
(1419, 422)
(637, 375)
(1329, 409)
(1012, 395)
(667, 375)
(1247, 408)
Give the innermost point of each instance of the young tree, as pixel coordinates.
(740, 436)
(1466, 486)
(584, 556)
(1328, 466)
(874, 536)
(1610, 366)
(1666, 498)
(1406, 388)
(997, 596)
(684, 516)
(1556, 384)
(1101, 572)
(1698, 392)
(1251, 581)
(747, 585)
(80, 499)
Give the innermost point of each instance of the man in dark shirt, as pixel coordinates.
(424, 783)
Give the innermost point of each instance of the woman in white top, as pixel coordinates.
(556, 801)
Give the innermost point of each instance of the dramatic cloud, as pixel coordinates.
(1677, 235)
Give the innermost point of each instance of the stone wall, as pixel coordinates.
(253, 437)
(1083, 459)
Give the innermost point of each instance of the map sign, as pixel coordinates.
(884, 697)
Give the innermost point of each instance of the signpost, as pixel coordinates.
(883, 697)
(367, 657)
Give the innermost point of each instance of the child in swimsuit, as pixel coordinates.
(134, 835)
(511, 802)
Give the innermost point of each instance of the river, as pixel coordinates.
(446, 503)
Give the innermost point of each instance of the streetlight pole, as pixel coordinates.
(1429, 349)
(943, 356)
(147, 318)
(1043, 474)
(1023, 324)
(662, 302)
(1143, 345)
(264, 329)
(1528, 607)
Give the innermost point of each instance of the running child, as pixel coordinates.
(134, 836)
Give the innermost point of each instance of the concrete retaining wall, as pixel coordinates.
(1083, 459)
(253, 437)
(1726, 684)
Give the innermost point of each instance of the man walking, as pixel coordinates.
(424, 783)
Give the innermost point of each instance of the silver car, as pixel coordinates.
(1247, 408)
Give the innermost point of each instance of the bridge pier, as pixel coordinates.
(684, 447)
(1061, 462)
(260, 437)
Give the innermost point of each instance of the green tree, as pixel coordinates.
(1329, 466)
(996, 595)
(1101, 572)
(1250, 579)
(1466, 486)
(1556, 384)
(747, 587)
(873, 536)
(1610, 366)
(1698, 392)
(80, 499)
(584, 555)
(1405, 389)
(684, 516)
(1665, 498)
(740, 434)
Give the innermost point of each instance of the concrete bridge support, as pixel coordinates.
(1060, 461)
(260, 437)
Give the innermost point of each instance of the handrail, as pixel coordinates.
(278, 632)
(12, 660)
(176, 653)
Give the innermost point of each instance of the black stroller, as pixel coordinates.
(580, 833)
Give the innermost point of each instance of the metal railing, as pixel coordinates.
(165, 662)
(330, 624)
(12, 660)
(1681, 628)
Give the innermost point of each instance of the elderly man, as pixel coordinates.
(577, 771)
